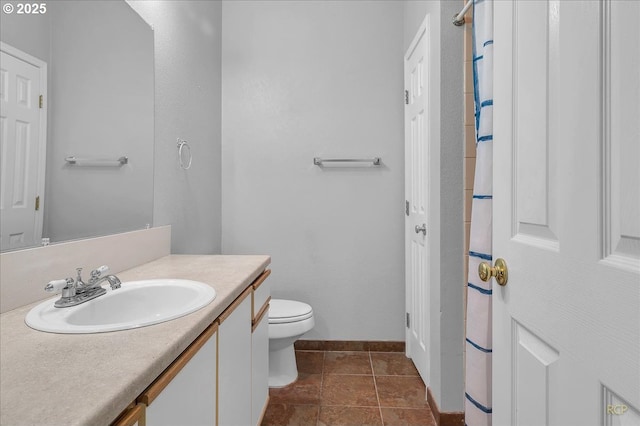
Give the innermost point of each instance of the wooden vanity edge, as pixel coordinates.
(256, 321)
(263, 276)
(247, 292)
(132, 416)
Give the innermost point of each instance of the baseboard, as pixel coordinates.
(349, 345)
(446, 418)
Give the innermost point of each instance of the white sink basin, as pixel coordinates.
(135, 304)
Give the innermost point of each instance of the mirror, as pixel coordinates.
(98, 75)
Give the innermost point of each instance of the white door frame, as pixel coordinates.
(42, 142)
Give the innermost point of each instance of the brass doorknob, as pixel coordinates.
(500, 271)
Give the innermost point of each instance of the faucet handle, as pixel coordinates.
(57, 285)
(99, 271)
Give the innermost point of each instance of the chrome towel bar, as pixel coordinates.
(319, 161)
(99, 162)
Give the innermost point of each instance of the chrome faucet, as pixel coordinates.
(96, 279)
(75, 292)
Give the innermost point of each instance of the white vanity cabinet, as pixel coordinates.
(243, 357)
(259, 368)
(222, 378)
(234, 362)
(260, 297)
(185, 393)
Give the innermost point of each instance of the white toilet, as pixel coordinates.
(288, 321)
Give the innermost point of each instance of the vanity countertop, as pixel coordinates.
(88, 379)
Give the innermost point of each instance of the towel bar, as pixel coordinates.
(100, 162)
(319, 161)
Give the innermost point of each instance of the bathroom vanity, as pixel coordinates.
(208, 367)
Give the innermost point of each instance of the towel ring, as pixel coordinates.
(181, 145)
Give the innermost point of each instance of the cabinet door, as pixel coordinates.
(186, 397)
(234, 363)
(260, 366)
(261, 293)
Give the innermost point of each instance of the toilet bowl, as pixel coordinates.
(288, 321)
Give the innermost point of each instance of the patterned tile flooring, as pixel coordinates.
(351, 388)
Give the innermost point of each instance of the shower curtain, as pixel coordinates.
(478, 335)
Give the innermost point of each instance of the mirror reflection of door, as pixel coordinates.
(23, 84)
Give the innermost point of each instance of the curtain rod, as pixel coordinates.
(458, 20)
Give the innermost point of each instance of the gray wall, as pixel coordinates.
(447, 317)
(100, 106)
(188, 106)
(305, 79)
(29, 33)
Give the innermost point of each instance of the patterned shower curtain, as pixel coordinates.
(478, 336)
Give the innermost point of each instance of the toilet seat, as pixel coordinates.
(288, 311)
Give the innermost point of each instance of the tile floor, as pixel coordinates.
(351, 388)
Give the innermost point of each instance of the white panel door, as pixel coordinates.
(566, 327)
(22, 138)
(416, 68)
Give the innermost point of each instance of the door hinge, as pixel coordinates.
(41, 101)
(408, 320)
(406, 207)
(406, 97)
(37, 203)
